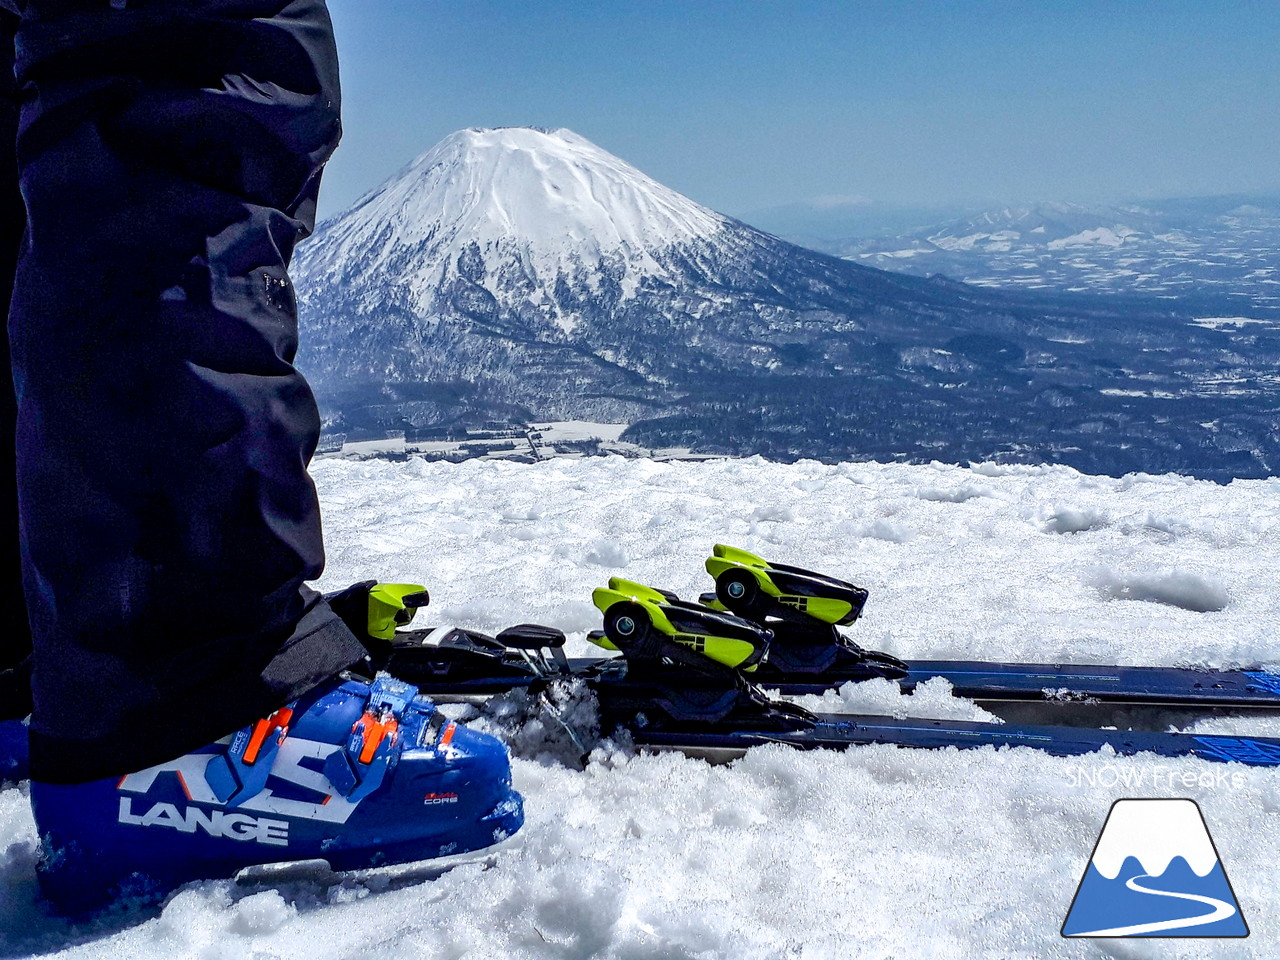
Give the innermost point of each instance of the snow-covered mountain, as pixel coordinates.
(517, 211)
(1053, 225)
(539, 269)
(526, 256)
(536, 272)
(521, 274)
(1219, 245)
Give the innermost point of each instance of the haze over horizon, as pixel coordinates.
(748, 107)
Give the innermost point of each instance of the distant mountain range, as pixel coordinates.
(1220, 247)
(524, 274)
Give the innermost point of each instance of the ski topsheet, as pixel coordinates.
(719, 718)
(1159, 686)
(979, 680)
(839, 731)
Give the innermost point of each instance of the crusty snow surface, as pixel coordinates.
(876, 852)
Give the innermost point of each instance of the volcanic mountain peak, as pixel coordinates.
(546, 204)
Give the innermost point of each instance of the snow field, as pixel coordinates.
(994, 561)
(875, 852)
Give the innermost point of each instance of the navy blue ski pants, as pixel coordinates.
(168, 153)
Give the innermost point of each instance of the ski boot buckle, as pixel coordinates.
(371, 748)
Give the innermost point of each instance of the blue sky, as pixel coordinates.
(749, 105)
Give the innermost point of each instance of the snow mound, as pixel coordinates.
(934, 698)
(1073, 521)
(953, 495)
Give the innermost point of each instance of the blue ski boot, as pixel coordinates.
(358, 774)
(13, 750)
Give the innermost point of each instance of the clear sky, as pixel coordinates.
(745, 105)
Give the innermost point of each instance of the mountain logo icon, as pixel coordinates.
(1155, 873)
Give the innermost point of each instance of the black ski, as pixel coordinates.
(669, 697)
(460, 663)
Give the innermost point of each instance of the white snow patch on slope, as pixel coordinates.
(1218, 323)
(873, 852)
(1101, 236)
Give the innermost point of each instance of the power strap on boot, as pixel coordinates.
(373, 746)
(242, 772)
